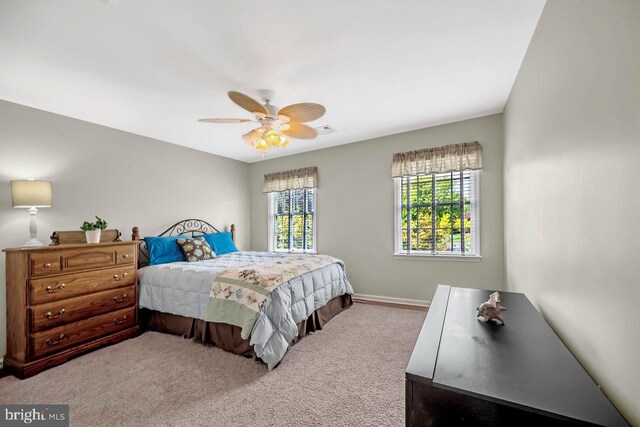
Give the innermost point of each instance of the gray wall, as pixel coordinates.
(355, 210)
(572, 127)
(126, 179)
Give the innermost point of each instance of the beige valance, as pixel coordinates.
(290, 180)
(455, 157)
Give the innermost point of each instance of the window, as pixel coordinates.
(437, 214)
(292, 220)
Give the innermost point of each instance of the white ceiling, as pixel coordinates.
(153, 67)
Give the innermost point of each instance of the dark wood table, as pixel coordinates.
(464, 371)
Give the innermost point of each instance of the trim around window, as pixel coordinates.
(473, 256)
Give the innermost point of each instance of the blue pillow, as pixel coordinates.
(164, 249)
(222, 243)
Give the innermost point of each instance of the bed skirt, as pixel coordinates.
(228, 336)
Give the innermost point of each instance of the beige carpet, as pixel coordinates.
(350, 373)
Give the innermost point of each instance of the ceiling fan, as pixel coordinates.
(274, 123)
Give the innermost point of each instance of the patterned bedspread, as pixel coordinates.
(239, 294)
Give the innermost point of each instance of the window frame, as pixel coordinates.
(271, 224)
(474, 255)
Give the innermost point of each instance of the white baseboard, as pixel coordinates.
(392, 300)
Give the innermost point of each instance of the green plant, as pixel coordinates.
(100, 224)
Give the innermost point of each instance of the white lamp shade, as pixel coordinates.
(31, 193)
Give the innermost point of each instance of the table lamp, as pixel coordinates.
(31, 194)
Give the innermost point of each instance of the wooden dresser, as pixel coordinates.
(66, 300)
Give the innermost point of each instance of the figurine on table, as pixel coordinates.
(491, 309)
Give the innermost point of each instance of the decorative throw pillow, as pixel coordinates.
(196, 249)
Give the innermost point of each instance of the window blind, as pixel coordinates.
(436, 214)
(292, 220)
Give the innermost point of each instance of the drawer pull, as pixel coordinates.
(125, 256)
(121, 299)
(49, 315)
(47, 265)
(54, 290)
(117, 277)
(57, 341)
(120, 321)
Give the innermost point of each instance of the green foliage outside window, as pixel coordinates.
(436, 212)
(293, 219)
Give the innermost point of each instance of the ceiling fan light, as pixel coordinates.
(283, 142)
(261, 145)
(285, 127)
(250, 137)
(272, 138)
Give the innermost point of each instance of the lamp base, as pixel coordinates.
(33, 230)
(32, 243)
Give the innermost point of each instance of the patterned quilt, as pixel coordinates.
(239, 295)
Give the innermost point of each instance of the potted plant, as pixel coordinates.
(93, 229)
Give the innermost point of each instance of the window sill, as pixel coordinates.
(443, 257)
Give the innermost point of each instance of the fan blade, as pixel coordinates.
(226, 120)
(247, 102)
(300, 131)
(304, 112)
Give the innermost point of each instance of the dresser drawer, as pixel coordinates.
(45, 263)
(86, 259)
(126, 255)
(56, 339)
(45, 316)
(70, 285)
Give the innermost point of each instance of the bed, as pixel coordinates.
(180, 297)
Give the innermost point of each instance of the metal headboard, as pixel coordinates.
(192, 227)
